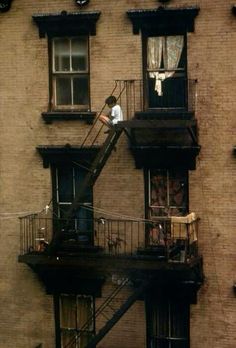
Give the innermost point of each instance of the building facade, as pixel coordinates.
(121, 236)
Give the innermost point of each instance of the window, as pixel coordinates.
(166, 71)
(76, 320)
(70, 73)
(68, 34)
(167, 323)
(167, 192)
(67, 180)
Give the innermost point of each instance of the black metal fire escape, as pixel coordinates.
(124, 90)
(113, 316)
(96, 167)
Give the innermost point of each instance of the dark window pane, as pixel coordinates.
(162, 329)
(69, 181)
(63, 91)
(80, 87)
(179, 344)
(159, 343)
(166, 75)
(84, 222)
(79, 178)
(168, 323)
(173, 93)
(65, 184)
(63, 209)
(179, 320)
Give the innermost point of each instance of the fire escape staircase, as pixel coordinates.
(104, 152)
(97, 166)
(111, 318)
(93, 171)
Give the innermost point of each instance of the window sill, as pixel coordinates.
(51, 116)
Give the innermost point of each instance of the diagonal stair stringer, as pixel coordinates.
(117, 315)
(96, 167)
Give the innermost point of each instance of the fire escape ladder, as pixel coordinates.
(117, 315)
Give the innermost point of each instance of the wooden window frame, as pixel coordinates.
(81, 226)
(58, 319)
(181, 72)
(70, 74)
(147, 177)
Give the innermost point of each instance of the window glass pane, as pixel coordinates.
(164, 52)
(162, 319)
(79, 54)
(84, 310)
(84, 339)
(158, 192)
(80, 88)
(65, 184)
(63, 209)
(67, 337)
(75, 312)
(166, 63)
(179, 320)
(168, 323)
(68, 312)
(69, 180)
(168, 193)
(61, 54)
(162, 343)
(178, 192)
(63, 90)
(179, 344)
(173, 92)
(80, 174)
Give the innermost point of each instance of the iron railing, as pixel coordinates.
(178, 93)
(165, 238)
(137, 96)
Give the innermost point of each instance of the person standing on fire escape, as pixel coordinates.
(115, 115)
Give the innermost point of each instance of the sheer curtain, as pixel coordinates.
(166, 49)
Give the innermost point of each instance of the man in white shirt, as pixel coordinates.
(115, 115)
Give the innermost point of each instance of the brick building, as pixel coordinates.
(126, 238)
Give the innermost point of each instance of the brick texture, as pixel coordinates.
(27, 317)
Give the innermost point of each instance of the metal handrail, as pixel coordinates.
(122, 88)
(112, 236)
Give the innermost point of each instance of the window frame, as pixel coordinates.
(58, 318)
(149, 206)
(182, 72)
(53, 105)
(165, 305)
(80, 225)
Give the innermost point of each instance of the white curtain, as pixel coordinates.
(168, 48)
